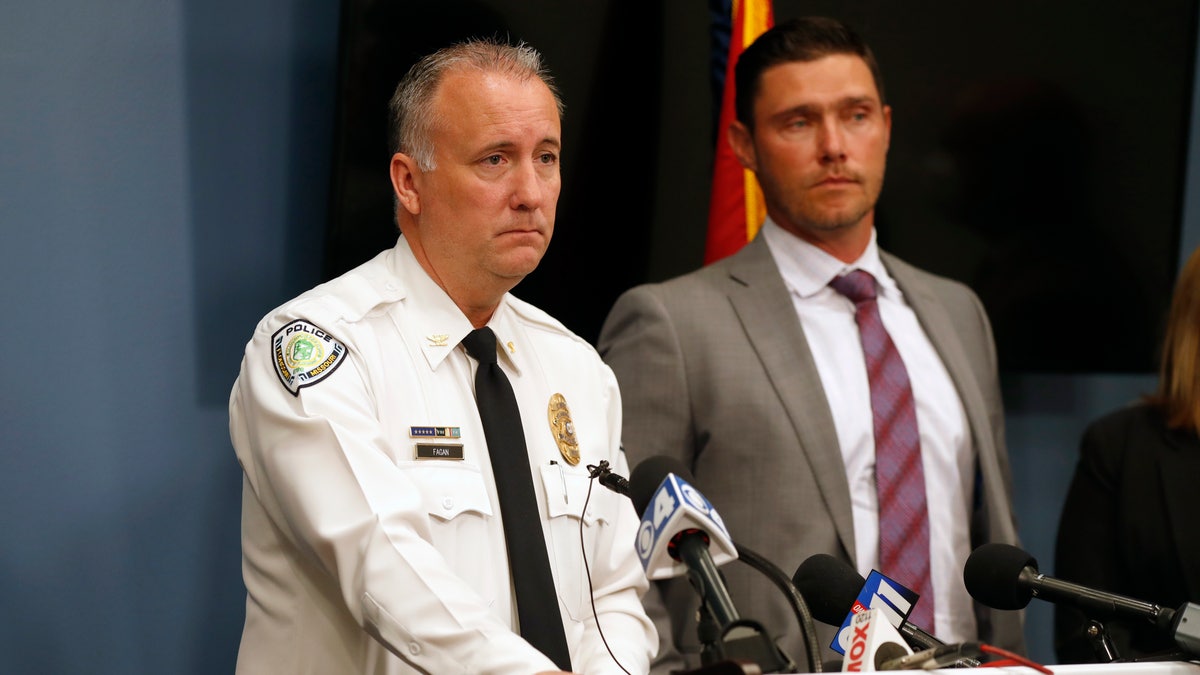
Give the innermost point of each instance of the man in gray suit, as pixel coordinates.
(751, 371)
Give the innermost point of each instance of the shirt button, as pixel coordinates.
(414, 648)
(447, 503)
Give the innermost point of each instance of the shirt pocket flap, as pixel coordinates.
(450, 489)
(566, 491)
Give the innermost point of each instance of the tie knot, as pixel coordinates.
(858, 286)
(481, 345)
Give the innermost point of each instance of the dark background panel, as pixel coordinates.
(1037, 152)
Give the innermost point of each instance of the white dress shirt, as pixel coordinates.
(947, 454)
(359, 556)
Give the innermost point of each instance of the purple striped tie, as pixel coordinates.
(899, 476)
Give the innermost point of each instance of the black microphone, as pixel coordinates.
(617, 483)
(613, 481)
(831, 587)
(1005, 577)
(688, 545)
(682, 519)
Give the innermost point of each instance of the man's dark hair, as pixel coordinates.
(803, 39)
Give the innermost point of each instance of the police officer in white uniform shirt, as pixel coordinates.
(372, 536)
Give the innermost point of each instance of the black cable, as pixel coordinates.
(803, 616)
(588, 570)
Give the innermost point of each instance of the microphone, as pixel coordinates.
(833, 588)
(874, 643)
(946, 656)
(1005, 577)
(681, 532)
(617, 483)
(613, 481)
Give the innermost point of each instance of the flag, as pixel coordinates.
(736, 209)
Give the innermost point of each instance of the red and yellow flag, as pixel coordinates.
(736, 209)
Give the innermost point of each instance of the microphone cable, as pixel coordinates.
(799, 607)
(1008, 658)
(960, 655)
(588, 570)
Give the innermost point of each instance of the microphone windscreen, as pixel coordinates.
(993, 574)
(829, 586)
(647, 476)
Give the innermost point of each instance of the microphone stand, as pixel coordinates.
(1103, 649)
(741, 642)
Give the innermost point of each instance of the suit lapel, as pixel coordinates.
(940, 330)
(763, 305)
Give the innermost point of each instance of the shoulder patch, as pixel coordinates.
(304, 354)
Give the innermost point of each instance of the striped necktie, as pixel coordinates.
(899, 476)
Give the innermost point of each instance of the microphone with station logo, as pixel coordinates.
(619, 484)
(680, 529)
(873, 642)
(835, 592)
(682, 534)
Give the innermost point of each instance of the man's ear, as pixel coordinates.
(404, 171)
(742, 143)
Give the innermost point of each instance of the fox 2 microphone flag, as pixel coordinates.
(735, 209)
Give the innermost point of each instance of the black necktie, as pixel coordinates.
(537, 602)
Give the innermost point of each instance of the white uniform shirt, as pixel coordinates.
(352, 546)
(947, 453)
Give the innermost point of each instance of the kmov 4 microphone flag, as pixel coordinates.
(676, 507)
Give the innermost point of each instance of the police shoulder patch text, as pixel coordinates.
(304, 354)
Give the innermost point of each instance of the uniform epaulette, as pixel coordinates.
(538, 319)
(347, 298)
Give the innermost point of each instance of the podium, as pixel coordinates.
(1145, 668)
(1142, 668)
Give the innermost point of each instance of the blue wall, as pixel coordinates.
(163, 172)
(163, 177)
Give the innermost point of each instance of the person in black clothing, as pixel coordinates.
(1129, 525)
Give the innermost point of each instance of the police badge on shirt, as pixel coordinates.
(304, 354)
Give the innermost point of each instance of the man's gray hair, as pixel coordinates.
(411, 108)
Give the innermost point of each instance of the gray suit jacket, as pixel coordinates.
(715, 370)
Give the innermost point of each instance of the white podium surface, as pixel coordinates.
(1145, 668)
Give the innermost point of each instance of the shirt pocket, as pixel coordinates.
(566, 489)
(455, 497)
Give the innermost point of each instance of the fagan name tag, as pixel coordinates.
(439, 451)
